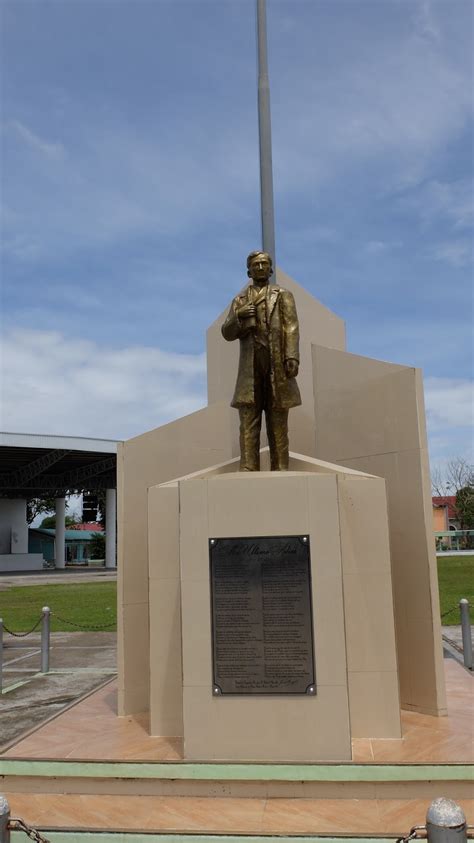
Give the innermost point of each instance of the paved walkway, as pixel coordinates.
(453, 634)
(52, 577)
(79, 663)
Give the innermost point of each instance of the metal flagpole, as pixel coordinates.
(265, 136)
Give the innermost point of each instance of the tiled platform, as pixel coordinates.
(90, 769)
(92, 731)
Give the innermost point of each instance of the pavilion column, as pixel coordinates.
(60, 542)
(110, 528)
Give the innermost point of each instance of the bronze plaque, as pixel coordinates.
(262, 625)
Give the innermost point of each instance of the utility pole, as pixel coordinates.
(265, 136)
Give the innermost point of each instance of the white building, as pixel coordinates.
(33, 465)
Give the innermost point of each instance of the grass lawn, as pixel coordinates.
(90, 604)
(93, 604)
(456, 580)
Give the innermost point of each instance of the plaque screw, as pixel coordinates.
(213, 541)
(311, 689)
(216, 691)
(305, 538)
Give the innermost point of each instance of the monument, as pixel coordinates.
(265, 322)
(276, 603)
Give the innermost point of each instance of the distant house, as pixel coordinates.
(92, 526)
(444, 513)
(41, 540)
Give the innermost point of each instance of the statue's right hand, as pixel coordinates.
(247, 311)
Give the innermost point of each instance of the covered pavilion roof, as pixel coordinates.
(36, 465)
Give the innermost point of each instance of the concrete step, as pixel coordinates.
(256, 818)
(260, 781)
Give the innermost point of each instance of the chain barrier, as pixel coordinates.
(83, 626)
(448, 612)
(453, 644)
(23, 634)
(414, 834)
(32, 833)
(62, 620)
(419, 832)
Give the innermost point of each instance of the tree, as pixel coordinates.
(449, 479)
(36, 506)
(97, 546)
(49, 523)
(465, 507)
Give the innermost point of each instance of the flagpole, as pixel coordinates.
(265, 136)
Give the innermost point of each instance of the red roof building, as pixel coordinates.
(444, 513)
(92, 526)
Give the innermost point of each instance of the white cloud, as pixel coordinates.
(401, 99)
(51, 150)
(425, 22)
(53, 384)
(457, 253)
(114, 184)
(452, 202)
(378, 247)
(449, 402)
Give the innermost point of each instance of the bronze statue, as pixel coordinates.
(264, 319)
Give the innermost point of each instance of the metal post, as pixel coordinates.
(110, 528)
(4, 819)
(60, 534)
(45, 636)
(466, 633)
(1, 655)
(445, 822)
(265, 136)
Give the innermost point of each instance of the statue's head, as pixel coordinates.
(259, 266)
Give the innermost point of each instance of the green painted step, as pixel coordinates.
(239, 772)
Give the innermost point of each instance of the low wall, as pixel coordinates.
(11, 562)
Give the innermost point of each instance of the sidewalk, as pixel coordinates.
(453, 634)
(79, 663)
(55, 577)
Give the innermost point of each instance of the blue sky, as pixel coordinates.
(131, 195)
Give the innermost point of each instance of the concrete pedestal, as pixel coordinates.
(353, 624)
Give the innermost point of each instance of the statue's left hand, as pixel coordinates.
(291, 368)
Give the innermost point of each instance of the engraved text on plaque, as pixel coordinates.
(262, 628)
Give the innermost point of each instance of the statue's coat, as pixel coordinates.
(283, 344)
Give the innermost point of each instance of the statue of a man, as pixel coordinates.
(264, 319)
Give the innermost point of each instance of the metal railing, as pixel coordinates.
(445, 823)
(464, 609)
(45, 621)
(454, 540)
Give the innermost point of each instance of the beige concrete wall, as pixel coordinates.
(369, 415)
(166, 669)
(191, 443)
(318, 324)
(368, 607)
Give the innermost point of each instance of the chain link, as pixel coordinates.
(32, 833)
(23, 634)
(83, 626)
(452, 643)
(413, 834)
(448, 611)
(62, 620)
